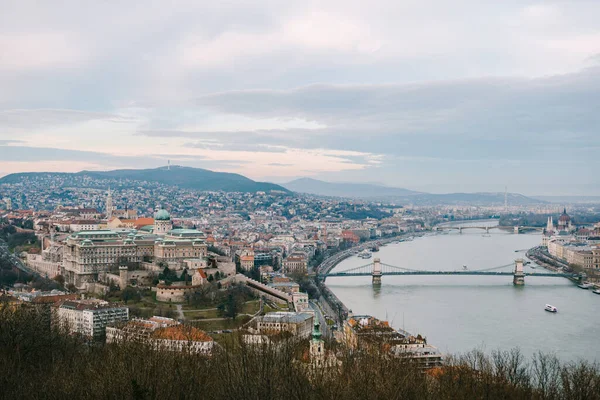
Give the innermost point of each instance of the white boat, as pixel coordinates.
(550, 308)
(597, 291)
(365, 254)
(585, 286)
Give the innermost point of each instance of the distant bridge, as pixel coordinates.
(377, 269)
(460, 229)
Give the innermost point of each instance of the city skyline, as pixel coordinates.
(471, 97)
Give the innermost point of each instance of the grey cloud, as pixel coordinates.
(243, 146)
(26, 153)
(487, 115)
(23, 119)
(432, 131)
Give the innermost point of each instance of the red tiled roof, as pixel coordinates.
(202, 273)
(138, 223)
(181, 332)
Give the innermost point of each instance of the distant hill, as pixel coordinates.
(483, 199)
(570, 199)
(184, 177)
(402, 196)
(334, 189)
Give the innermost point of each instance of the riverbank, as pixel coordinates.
(537, 255)
(545, 260)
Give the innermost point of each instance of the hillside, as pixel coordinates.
(359, 190)
(184, 177)
(570, 199)
(483, 199)
(382, 193)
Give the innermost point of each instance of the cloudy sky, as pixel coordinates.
(436, 95)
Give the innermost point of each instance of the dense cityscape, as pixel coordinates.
(300, 200)
(175, 267)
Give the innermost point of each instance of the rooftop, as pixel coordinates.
(99, 232)
(181, 332)
(283, 316)
(90, 304)
(284, 284)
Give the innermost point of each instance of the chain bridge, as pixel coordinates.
(377, 269)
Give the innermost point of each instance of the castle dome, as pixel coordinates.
(162, 215)
(564, 217)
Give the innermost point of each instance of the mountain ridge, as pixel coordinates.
(341, 189)
(184, 177)
(376, 192)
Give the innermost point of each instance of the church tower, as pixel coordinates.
(550, 225)
(317, 348)
(109, 204)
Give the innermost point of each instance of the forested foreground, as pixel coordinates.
(37, 362)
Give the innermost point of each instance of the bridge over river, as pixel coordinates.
(486, 228)
(377, 269)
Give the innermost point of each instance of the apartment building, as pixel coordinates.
(89, 317)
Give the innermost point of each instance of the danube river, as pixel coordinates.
(462, 313)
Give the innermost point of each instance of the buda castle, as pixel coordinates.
(87, 254)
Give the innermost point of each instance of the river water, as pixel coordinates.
(461, 313)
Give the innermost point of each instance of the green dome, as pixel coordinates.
(162, 215)
(316, 333)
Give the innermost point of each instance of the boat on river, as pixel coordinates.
(365, 254)
(585, 286)
(597, 291)
(551, 308)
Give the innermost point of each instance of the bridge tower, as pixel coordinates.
(376, 271)
(487, 229)
(460, 229)
(516, 230)
(519, 276)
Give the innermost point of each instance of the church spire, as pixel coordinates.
(316, 333)
(109, 204)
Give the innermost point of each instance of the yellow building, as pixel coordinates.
(180, 244)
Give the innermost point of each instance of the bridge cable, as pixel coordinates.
(492, 268)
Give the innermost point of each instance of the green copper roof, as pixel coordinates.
(316, 333)
(184, 231)
(162, 215)
(95, 233)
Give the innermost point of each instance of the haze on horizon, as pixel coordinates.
(431, 96)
